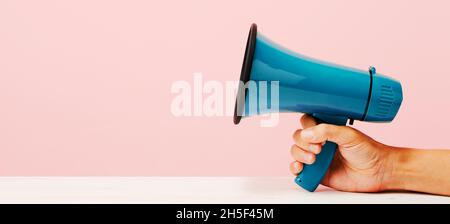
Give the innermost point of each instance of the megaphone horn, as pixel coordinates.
(329, 92)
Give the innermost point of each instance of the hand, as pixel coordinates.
(361, 164)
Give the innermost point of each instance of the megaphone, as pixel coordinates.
(329, 92)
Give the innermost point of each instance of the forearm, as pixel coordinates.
(419, 170)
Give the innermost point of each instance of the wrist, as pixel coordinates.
(408, 170)
(417, 170)
(398, 172)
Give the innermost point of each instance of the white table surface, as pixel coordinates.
(185, 190)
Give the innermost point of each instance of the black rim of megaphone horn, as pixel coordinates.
(245, 73)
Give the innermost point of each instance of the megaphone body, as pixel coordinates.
(330, 93)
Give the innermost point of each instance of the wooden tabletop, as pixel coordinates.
(186, 190)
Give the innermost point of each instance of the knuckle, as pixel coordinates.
(293, 149)
(296, 135)
(304, 119)
(322, 129)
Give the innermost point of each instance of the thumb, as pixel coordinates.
(341, 135)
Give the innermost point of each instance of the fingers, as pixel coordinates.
(311, 147)
(307, 121)
(309, 141)
(326, 132)
(302, 156)
(296, 167)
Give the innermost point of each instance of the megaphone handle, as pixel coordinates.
(312, 175)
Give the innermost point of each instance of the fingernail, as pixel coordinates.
(307, 134)
(310, 158)
(314, 148)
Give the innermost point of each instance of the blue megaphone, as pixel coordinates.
(331, 93)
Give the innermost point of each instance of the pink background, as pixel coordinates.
(85, 85)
